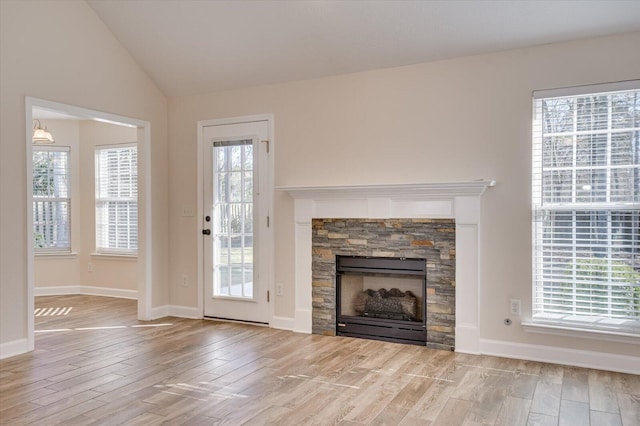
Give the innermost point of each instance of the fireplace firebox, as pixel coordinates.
(382, 298)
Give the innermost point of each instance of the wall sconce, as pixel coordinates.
(41, 135)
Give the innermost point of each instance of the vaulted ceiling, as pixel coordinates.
(202, 46)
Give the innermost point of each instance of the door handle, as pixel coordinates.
(206, 232)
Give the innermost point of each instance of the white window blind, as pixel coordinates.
(117, 199)
(51, 199)
(586, 208)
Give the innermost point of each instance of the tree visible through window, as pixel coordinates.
(117, 199)
(51, 199)
(233, 218)
(586, 200)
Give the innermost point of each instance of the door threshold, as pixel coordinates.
(261, 324)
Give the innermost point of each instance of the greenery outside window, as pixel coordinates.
(51, 200)
(586, 207)
(117, 199)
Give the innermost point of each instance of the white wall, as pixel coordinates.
(453, 120)
(61, 51)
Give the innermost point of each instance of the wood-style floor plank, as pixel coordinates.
(99, 365)
(514, 411)
(572, 412)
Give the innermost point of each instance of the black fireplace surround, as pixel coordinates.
(392, 326)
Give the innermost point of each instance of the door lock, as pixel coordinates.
(206, 232)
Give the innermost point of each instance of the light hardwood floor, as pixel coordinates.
(99, 365)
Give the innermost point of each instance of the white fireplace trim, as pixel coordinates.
(457, 200)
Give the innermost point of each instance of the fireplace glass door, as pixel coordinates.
(384, 297)
(381, 298)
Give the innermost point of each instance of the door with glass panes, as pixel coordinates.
(235, 221)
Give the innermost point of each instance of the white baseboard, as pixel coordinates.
(282, 323)
(13, 348)
(109, 292)
(86, 289)
(578, 358)
(175, 311)
(302, 321)
(56, 291)
(467, 339)
(159, 312)
(184, 312)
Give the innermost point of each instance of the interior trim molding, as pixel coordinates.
(423, 191)
(57, 290)
(159, 312)
(184, 312)
(457, 200)
(617, 336)
(188, 312)
(145, 232)
(282, 323)
(13, 348)
(269, 256)
(86, 289)
(575, 357)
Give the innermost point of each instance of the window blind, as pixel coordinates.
(51, 199)
(117, 199)
(586, 207)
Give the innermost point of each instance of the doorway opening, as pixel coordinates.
(140, 133)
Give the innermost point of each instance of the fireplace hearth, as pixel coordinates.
(382, 298)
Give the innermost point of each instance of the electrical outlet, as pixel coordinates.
(185, 280)
(514, 306)
(90, 267)
(279, 289)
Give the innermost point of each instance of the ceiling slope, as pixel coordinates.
(198, 46)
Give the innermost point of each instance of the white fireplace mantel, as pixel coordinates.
(457, 200)
(441, 190)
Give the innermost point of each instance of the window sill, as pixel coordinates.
(114, 256)
(571, 330)
(52, 255)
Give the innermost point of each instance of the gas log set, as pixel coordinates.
(366, 309)
(393, 304)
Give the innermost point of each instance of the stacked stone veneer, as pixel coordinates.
(432, 239)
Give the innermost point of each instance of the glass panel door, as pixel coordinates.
(237, 239)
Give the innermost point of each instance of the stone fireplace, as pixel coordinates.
(457, 201)
(429, 239)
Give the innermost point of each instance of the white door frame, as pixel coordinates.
(269, 244)
(145, 245)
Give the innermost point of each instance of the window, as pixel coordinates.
(51, 199)
(586, 207)
(233, 218)
(117, 200)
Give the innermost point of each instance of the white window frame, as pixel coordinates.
(55, 250)
(599, 327)
(101, 199)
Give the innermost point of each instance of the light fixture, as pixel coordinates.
(41, 135)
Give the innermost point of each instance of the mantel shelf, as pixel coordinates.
(441, 190)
